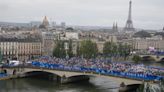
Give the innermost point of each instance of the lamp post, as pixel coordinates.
(66, 48)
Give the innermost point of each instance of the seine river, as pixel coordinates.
(95, 84)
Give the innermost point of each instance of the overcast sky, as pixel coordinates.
(147, 14)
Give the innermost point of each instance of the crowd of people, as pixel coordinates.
(103, 66)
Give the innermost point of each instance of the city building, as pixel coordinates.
(20, 48)
(63, 24)
(45, 24)
(47, 43)
(142, 44)
(72, 35)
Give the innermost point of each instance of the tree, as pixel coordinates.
(141, 88)
(88, 49)
(126, 50)
(161, 86)
(70, 52)
(136, 58)
(0, 56)
(121, 50)
(59, 50)
(70, 28)
(142, 34)
(145, 87)
(78, 50)
(113, 49)
(107, 48)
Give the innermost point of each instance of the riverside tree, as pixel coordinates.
(59, 50)
(110, 49)
(0, 56)
(88, 49)
(113, 49)
(70, 52)
(136, 58)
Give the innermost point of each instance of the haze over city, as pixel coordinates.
(146, 14)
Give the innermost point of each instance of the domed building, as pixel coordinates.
(45, 23)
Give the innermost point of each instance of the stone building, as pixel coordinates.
(47, 43)
(20, 48)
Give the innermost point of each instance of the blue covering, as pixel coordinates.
(97, 70)
(2, 75)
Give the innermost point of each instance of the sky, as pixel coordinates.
(146, 14)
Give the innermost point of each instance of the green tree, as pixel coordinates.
(59, 49)
(0, 56)
(126, 50)
(113, 49)
(120, 50)
(161, 86)
(88, 49)
(136, 58)
(141, 88)
(78, 50)
(146, 87)
(142, 34)
(70, 50)
(107, 50)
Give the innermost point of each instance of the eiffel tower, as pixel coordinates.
(129, 23)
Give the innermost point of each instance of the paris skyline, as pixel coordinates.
(147, 14)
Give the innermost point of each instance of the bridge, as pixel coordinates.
(66, 74)
(156, 58)
(70, 76)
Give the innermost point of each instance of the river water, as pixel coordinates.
(95, 84)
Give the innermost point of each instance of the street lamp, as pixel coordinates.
(66, 48)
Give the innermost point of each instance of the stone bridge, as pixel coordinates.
(68, 76)
(153, 57)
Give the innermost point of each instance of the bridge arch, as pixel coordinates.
(5, 71)
(29, 73)
(162, 60)
(43, 75)
(70, 76)
(148, 58)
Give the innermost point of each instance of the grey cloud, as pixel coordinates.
(85, 12)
